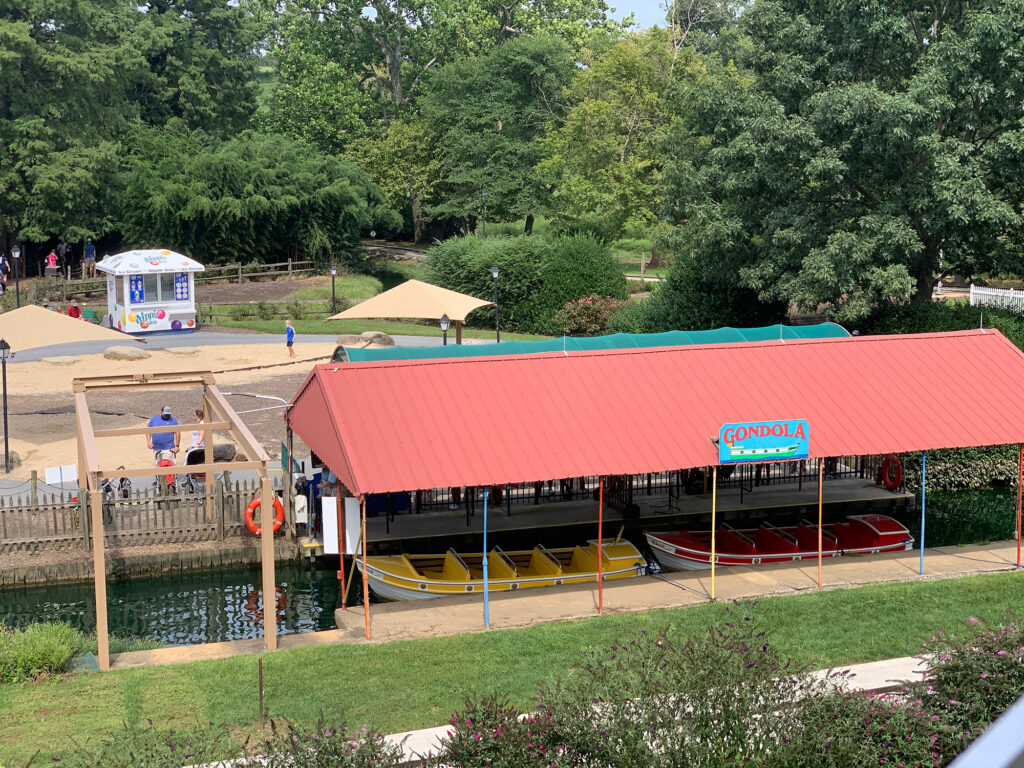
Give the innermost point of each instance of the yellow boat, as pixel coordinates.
(417, 577)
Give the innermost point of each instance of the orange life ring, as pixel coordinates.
(253, 506)
(891, 478)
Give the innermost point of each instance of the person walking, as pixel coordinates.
(89, 264)
(198, 436)
(159, 442)
(289, 337)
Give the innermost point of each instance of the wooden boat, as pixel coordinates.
(859, 535)
(417, 577)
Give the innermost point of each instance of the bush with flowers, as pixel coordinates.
(588, 316)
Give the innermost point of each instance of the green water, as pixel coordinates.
(186, 608)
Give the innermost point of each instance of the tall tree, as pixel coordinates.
(489, 112)
(868, 141)
(602, 160)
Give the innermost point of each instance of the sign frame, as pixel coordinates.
(764, 441)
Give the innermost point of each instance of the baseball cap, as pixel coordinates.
(165, 409)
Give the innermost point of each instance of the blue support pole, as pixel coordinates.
(487, 596)
(924, 457)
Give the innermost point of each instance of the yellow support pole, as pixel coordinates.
(366, 581)
(714, 524)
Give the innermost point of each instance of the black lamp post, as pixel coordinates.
(334, 271)
(16, 253)
(5, 352)
(446, 323)
(497, 314)
(483, 215)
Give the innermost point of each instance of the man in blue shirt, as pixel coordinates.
(289, 337)
(89, 267)
(163, 441)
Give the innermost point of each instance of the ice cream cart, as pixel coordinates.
(150, 291)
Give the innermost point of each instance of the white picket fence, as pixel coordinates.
(1004, 298)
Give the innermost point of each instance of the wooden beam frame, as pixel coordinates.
(91, 475)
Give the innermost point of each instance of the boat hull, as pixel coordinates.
(861, 535)
(394, 578)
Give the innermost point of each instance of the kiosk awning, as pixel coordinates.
(405, 425)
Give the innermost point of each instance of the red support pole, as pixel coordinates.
(366, 583)
(600, 545)
(1020, 488)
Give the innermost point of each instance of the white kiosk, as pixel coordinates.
(151, 290)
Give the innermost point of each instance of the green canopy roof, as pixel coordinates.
(612, 341)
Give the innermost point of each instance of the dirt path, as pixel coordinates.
(239, 293)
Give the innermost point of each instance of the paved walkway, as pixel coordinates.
(456, 615)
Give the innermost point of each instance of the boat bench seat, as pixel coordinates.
(543, 563)
(585, 560)
(500, 566)
(454, 568)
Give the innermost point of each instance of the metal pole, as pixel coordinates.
(497, 314)
(17, 283)
(333, 307)
(1020, 487)
(714, 511)
(6, 452)
(924, 457)
(444, 338)
(600, 545)
(487, 585)
(366, 582)
(820, 478)
(341, 550)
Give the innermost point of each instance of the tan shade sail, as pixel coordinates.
(415, 299)
(31, 327)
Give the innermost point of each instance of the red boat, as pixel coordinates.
(859, 535)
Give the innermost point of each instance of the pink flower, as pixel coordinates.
(972, 620)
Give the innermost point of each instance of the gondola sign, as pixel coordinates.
(758, 441)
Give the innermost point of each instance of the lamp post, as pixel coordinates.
(334, 271)
(5, 352)
(16, 253)
(483, 214)
(446, 323)
(497, 315)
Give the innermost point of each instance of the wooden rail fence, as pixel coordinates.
(148, 516)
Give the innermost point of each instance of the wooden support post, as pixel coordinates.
(1020, 488)
(714, 524)
(99, 570)
(366, 583)
(821, 469)
(341, 550)
(289, 267)
(267, 556)
(34, 488)
(208, 460)
(458, 331)
(600, 545)
(239, 273)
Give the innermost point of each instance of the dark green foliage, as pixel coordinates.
(957, 468)
(538, 275)
(632, 318)
(152, 747)
(326, 745)
(38, 649)
(489, 112)
(928, 317)
(966, 517)
(257, 197)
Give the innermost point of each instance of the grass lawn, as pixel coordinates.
(349, 286)
(414, 684)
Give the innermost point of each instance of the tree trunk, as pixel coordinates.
(528, 229)
(418, 223)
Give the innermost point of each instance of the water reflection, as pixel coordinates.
(187, 608)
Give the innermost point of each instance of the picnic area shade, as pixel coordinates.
(407, 425)
(725, 335)
(415, 299)
(31, 327)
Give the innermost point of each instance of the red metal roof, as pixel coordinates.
(404, 425)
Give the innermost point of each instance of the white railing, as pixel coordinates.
(1004, 298)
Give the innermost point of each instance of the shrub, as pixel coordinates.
(295, 309)
(956, 468)
(38, 649)
(325, 745)
(933, 316)
(151, 747)
(646, 703)
(967, 517)
(489, 732)
(265, 310)
(538, 275)
(239, 312)
(972, 679)
(587, 317)
(631, 318)
(839, 730)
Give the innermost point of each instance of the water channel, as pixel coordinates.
(186, 608)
